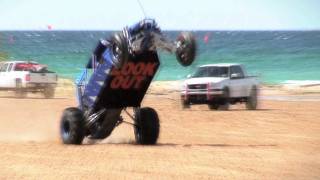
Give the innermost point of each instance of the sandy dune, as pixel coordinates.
(281, 140)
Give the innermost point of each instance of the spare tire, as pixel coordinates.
(186, 48)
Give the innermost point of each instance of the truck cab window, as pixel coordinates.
(4, 68)
(10, 67)
(237, 70)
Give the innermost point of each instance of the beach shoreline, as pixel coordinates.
(67, 88)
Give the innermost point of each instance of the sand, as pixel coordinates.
(280, 140)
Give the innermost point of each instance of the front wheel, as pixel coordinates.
(119, 50)
(72, 126)
(185, 104)
(225, 100)
(186, 48)
(147, 126)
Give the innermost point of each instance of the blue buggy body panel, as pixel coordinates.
(110, 87)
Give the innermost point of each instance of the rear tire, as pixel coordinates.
(252, 100)
(119, 50)
(147, 126)
(49, 92)
(19, 92)
(186, 48)
(72, 126)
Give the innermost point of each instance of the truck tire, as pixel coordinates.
(225, 100)
(19, 91)
(147, 126)
(213, 106)
(185, 104)
(252, 100)
(186, 48)
(119, 50)
(72, 126)
(48, 92)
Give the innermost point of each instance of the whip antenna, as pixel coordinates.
(142, 9)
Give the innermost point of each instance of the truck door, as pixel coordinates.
(236, 81)
(10, 79)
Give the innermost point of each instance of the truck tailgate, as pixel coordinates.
(43, 78)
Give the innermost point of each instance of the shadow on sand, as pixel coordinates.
(230, 110)
(182, 145)
(217, 145)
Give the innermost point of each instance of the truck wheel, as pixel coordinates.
(185, 104)
(48, 92)
(72, 126)
(252, 100)
(147, 126)
(225, 100)
(186, 48)
(213, 106)
(119, 50)
(19, 91)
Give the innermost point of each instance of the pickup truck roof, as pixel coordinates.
(222, 65)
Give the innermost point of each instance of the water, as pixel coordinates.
(275, 56)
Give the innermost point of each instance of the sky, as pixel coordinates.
(170, 14)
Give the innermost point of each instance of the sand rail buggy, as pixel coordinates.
(122, 68)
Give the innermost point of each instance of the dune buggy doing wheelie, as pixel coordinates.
(123, 67)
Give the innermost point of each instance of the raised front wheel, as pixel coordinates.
(186, 48)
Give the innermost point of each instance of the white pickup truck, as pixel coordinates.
(219, 85)
(27, 76)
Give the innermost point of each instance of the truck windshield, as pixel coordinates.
(211, 71)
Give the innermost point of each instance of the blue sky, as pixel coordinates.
(170, 14)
